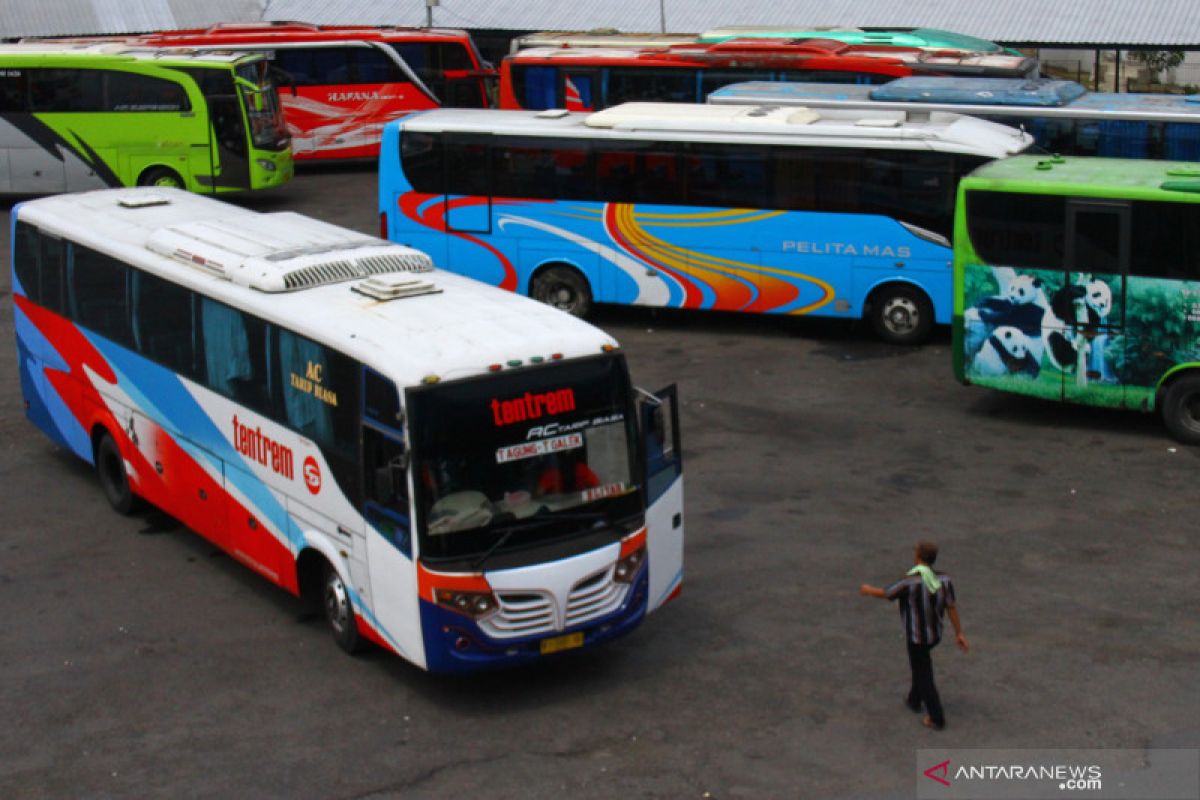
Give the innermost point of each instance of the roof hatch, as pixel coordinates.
(283, 252)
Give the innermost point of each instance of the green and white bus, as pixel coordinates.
(76, 117)
(1078, 279)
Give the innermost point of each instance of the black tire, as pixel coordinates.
(161, 176)
(339, 612)
(901, 314)
(564, 288)
(1181, 409)
(110, 469)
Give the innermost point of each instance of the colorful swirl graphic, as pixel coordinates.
(709, 281)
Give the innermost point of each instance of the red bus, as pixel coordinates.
(340, 85)
(592, 78)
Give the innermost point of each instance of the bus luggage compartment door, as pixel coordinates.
(659, 417)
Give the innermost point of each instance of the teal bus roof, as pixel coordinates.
(1090, 177)
(924, 38)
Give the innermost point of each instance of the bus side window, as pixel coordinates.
(235, 355)
(1165, 240)
(12, 92)
(162, 323)
(98, 288)
(385, 474)
(1017, 230)
(65, 90)
(369, 65)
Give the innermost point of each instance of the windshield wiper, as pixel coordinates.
(536, 521)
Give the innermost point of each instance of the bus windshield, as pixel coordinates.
(267, 127)
(525, 456)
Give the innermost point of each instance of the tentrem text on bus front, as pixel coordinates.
(457, 474)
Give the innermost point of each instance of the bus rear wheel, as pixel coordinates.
(339, 612)
(161, 176)
(564, 288)
(1181, 409)
(901, 314)
(114, 480)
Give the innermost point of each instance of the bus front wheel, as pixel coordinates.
(114, 480)
(161, 176)
(339, 612)
(564, 288)
(1181, 409)
(901, 314)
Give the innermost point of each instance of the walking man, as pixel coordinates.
(925, 597)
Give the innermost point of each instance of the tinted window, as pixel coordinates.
(235, 356)
(1097, 241)
(128, 91)
(835, 76)
(314, 66)
(1166, 240)
(163, 328)
(52, 266)
(638, 172)
(667, 85)
(726, 175)
(541, 167)
(421, 155)
(25, 261)
(466, 165)
(1017, 230)
(65, 90)
(12, 91)
(99, 288)
(381, 402)
(370, 65)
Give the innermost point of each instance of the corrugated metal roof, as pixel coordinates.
(1162, 23)
(82, 17)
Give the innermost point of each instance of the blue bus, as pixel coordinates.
(1062, 116)
(737, 208)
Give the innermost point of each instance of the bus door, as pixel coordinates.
(468, 168)
(579, 89)
(385, 508)
(1091, 302)
(231, 165)
(659, 417)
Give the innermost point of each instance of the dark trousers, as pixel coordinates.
(923, 690)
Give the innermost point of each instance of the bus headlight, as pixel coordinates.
(269, 166)
(473, 604)
(627, 567)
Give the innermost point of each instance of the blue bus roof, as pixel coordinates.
(978, 92)
(992, 92)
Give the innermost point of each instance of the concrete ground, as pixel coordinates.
(137, 661)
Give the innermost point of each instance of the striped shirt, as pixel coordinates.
(921, 611)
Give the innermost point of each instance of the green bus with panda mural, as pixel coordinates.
(1078, 279)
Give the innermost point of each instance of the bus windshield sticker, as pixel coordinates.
(516, 452)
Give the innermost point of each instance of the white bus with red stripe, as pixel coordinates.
(455, 473)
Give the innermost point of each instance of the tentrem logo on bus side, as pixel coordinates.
(532, 406)
(257, 446)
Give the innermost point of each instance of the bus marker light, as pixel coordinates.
(514, 362)
(495, 367)
(430, 379)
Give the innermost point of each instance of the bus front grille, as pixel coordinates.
(530, 613)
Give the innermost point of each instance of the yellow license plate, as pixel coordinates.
(559, 643)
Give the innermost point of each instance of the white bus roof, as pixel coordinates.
(320, 280)
(118, 51)
(744, 124)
